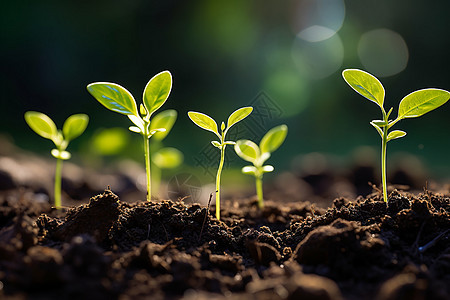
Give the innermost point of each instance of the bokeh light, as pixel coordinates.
(383, 52)
(318, 20)
(317, 60)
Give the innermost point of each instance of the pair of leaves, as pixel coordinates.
(206, 122)
(118, 99)
(44, 126)
(413, 105)
(270, 142)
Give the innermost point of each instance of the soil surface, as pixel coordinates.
(109, 249)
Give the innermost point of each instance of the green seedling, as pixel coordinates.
(73, 127)
(208, 123)
(116, 98)
(258, 155)
(413, 105)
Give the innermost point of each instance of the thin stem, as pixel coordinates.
(57, 192)
(219, 172)
(383, 162)
(147, 166)
(259, 191)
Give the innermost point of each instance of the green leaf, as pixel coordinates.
(110, 141)
(74, 126)
(379, 123)
(380, 131)
(64, 155)
(267, 169)
(365, 84)
(273, 139)
(216, 144)
(157, 130)
(138, 122)
(396, 134)
(250, 170)
(238, 115)
(41, 124)
(157, 91)
(204, 121)
(114, 97)
(168, 158)
(135, 129)
(247, 150)
(164, 119)
(420, 102)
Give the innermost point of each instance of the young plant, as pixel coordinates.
(208, 123)
(116, 98)
(73, 127)
(413, 105)
(258, 155)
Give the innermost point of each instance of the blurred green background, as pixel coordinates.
(283, 57)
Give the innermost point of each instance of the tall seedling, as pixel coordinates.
(413, 105)
(73, 127)
(208, 123)
(116, 98)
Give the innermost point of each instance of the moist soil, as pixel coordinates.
(109, 249)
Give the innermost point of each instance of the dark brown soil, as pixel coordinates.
(108, 249)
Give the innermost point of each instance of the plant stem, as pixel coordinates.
(383, 163)
(147, 166)
(57, 192)
(219, 172)
(259, 191)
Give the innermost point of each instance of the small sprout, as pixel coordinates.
(208, 123)
(116, 98)
(413, 105)
(73, 127)
(258, 155)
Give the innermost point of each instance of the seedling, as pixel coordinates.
(413, 105)
(73, 127)
(116, 98)
(258, 155)
(208, 123)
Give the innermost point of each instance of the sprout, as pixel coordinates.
(208, 123)
(258, 155)
(116, 98)
(413, 105)
(73, 127)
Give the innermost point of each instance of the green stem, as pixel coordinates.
(219, 172)
(147, 166)
(57, 192)
(383, 163)
(259, 191)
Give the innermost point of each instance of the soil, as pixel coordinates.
(109, 249)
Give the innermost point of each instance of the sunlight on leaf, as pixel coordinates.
(157, 91)
(365, 84)
(204, 121)
(420, 102)
(41, 124)
(114, 97)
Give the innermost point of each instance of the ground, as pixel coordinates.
(358, 248)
